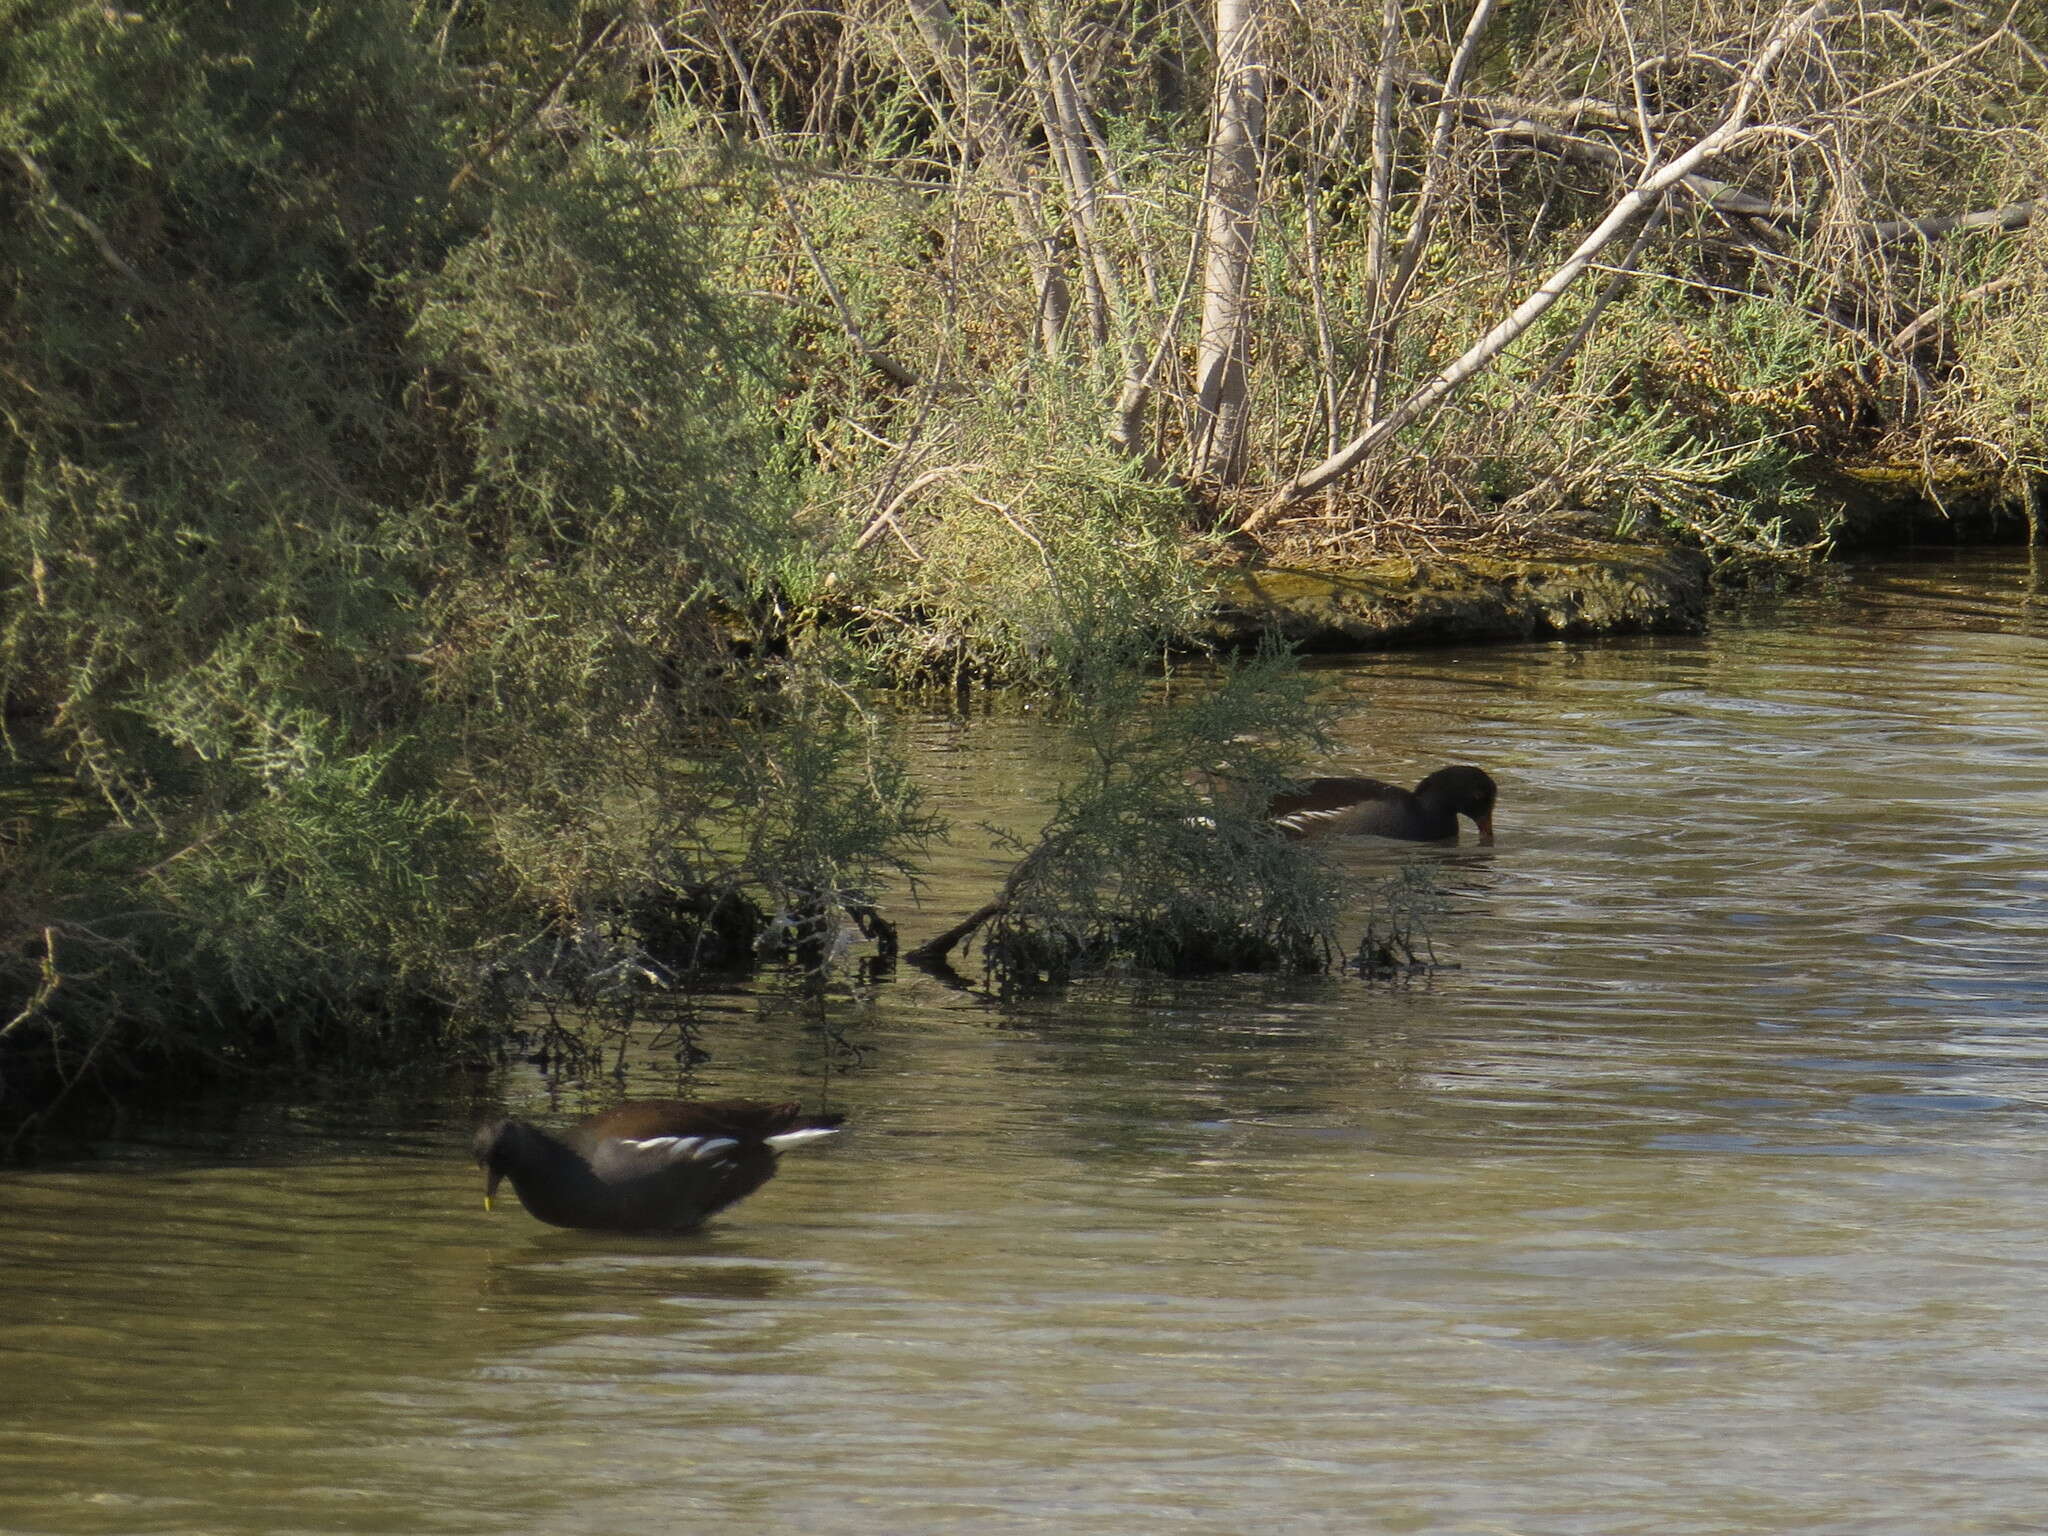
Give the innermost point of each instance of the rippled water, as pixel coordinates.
(1705, 1194)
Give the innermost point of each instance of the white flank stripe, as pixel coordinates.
(1298, 821)
(673, 1146)
(713, 1145)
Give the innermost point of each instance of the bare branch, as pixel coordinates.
(880, 361)
(1728, 131)
(1928, 317)
(1236, 185)
(886, 517)
(2011, 217)
(41, 182)
(593, 40)
(1422, 222)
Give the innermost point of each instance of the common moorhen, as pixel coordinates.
(1428, 813)
(648, 1165)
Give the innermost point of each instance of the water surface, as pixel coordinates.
(1703, 1194)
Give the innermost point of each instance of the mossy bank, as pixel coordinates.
(1451, 599)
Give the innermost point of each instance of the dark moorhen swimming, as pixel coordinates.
(1428, 813)
(648, 1165)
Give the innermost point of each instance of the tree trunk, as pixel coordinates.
(1236, 152)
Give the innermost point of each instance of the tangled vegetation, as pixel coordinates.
(1140, 864)
(460, 465)
(375, 539)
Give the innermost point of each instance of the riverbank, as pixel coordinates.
(176, 1029)
(1596, 589)
(1461, 592)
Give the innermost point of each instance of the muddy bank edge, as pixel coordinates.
(1451, 599)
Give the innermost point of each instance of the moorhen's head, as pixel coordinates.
(1463, 790)
(490, 1149)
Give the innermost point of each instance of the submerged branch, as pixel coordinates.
(933, 953)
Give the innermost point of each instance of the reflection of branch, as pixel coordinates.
(41, 181)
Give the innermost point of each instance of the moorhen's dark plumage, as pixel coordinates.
(648, 1165)
(1428, 813)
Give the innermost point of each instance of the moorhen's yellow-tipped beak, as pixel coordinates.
(491, 1177)
(1485, 824)
(487, 1202)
